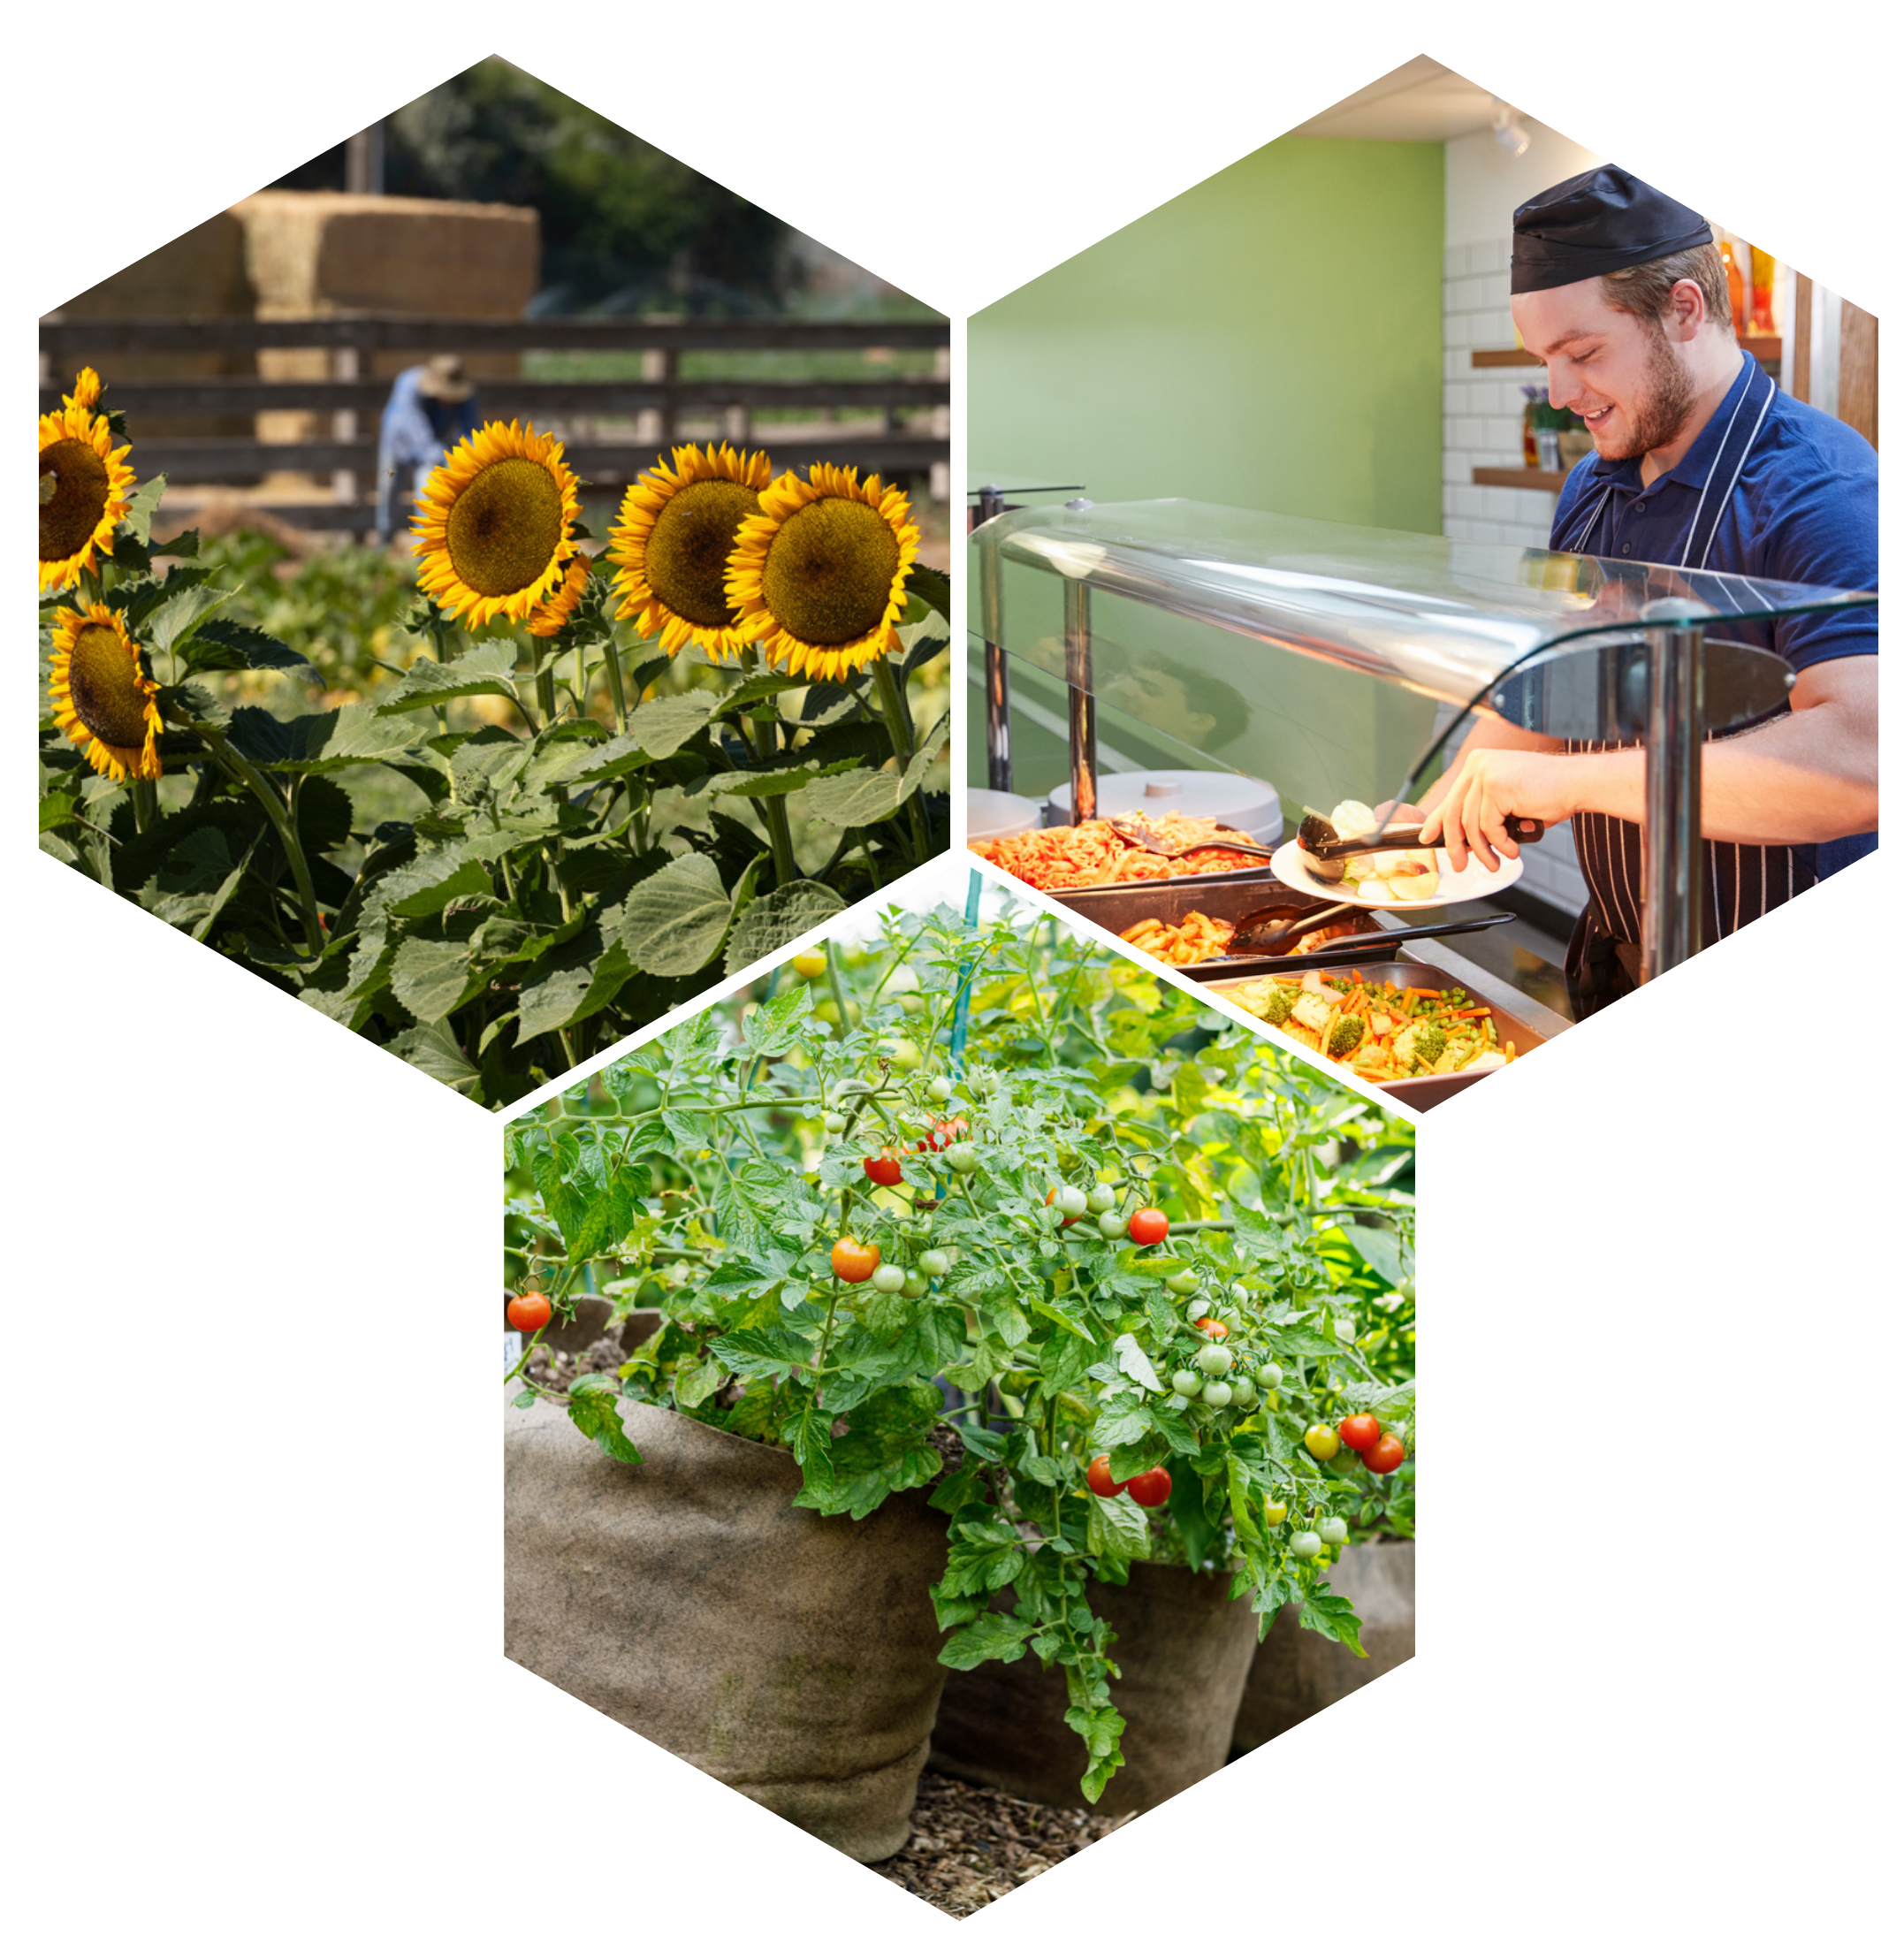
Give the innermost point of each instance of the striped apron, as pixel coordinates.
(1742, 881)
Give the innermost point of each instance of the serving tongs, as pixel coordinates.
(1327, 853)
(1135, 833)
(1248, 950)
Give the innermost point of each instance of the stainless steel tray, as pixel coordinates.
(1431, 1089)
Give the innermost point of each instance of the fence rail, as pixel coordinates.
(613, 427)
(65, 339)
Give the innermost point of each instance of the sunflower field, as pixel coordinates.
(608, 774)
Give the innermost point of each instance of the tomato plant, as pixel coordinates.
(1094, 1422)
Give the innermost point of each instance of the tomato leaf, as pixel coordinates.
(593, 1410)
(991, 1635)
(1135, 1364)
(1117, 1529)
(1332, 1616)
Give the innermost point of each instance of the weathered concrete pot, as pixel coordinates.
(791, 1655)
(1298, 1673)
(1185, 1647)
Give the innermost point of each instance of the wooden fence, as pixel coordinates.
(612, 427)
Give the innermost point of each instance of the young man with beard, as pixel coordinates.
(1700, 462)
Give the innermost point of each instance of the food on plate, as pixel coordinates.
(1399, 876)
(1381, 1031)
(1074, 856)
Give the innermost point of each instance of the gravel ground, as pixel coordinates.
(970, 1846)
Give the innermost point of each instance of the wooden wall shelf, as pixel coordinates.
(1530, 478)
(1766, 350)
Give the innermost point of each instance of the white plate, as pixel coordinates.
(1474, 879)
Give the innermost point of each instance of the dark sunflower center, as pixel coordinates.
(106, 694)
(505, 527)
(689, 545)
(79, 494)
(829, 572)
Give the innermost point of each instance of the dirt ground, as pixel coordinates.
(970, 1846)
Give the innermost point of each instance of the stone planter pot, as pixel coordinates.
(791, 1655)
(1298, 1673)
(1185, 1647)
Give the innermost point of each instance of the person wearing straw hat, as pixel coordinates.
(431, 406)
(1699, 461)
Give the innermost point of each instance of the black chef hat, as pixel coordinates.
(1591, 224)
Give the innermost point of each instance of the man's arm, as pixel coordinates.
(1805, 778)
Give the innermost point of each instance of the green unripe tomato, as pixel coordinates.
(963, 1157)
(1214, 1361)
(1243, 1392)
(1196, 1311)
(1335, 1531)
(1305, 1545)
(1110, 1224)
(1346, 1464)
(1273, 1512)
(915, 1283)
(1186, 1382)
(935, 1261)
(1344, 1329)
(1270, 1375)
(834, 1123)
(904, 1054)
(1101, 1200)
(1183, 1282)
(1217, 1395)
(940, 1087)
(888, 1278)
(1069, 1200)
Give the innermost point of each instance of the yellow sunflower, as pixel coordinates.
(84, 485)
(559, 609)
(818, 575)
(492, 524)
(102, 696)
(671, 545)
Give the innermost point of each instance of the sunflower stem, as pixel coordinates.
(617, 689)
(144, 802)
(894, 707)
(545, 692)
(273, 806)
(773, 810)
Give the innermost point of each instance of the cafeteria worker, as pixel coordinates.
(1699, 461)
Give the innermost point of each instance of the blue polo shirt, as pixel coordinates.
(1804, 507)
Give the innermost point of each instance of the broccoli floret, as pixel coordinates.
(1431, 1042)
(1279, 1001)
(1345, 1035)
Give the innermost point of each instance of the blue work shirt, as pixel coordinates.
(418, 431)
(1804, 507)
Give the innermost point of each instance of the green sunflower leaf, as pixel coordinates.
(778, 918)
(675, 922)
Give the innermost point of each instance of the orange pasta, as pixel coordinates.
(1073, 857)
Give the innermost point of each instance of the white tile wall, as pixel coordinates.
(1481, 426)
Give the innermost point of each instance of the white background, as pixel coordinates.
(256, 1680)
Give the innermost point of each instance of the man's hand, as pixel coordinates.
(1489, 786)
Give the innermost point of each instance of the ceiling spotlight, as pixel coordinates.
(1508, 132)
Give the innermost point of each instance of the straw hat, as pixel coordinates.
(443, 378)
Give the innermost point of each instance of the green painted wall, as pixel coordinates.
(1270, 339)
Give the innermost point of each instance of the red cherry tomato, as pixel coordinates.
(853, 1260)
(1359, 1433)
(1212, 1328)
(1151, 1489)
(944, 1134)
(1097, 1476)
(1386, 1456)
(882, 1168)
(529, 1313)
(1148, 1225)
